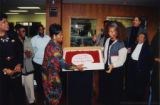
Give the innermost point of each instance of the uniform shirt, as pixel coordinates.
(136, 52)
(39, 44)
(11, 52)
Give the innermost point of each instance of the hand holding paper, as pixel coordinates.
(80, 67)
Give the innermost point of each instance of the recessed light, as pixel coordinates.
(18, 10)
(9, 13)
(29, 7)
(39, 13)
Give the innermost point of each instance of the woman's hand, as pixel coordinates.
(157, 59)
(17, 68)
(129, 50)
(110, 68)
(28, 53)
(94, 38)
(80, 67)
(8, 72)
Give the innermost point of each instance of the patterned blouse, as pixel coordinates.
(52, 64)
(53, 60)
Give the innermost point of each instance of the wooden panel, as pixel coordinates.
(51, 20)
(100, 12)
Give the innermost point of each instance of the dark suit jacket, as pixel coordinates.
(144, 60)
(141, 30)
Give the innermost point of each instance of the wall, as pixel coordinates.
(27, 18)
(100, 12)
(52, 20)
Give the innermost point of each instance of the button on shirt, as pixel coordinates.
(39, 44)
(136, 52)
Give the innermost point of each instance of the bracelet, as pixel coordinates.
(4, 73)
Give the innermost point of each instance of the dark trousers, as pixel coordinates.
(11, 91)
(136, 83)
(102, 86)
(112, 87)
(155, 84)
(38, 76)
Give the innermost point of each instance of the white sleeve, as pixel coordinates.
(121, 58)
(33, 44)
(30, 47)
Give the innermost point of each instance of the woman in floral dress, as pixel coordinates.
(52, 64)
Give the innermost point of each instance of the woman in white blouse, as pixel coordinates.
(115, 56)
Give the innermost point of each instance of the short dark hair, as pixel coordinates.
(139, 18)
(18, 26)
(55, 29)
(145, 35)
(40, 25)
(142, 20)
(2, 16)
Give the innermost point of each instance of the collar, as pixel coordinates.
(45, 36)
(140, 44)
(53, 43)
(113, 42)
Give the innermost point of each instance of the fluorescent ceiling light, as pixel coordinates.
(29, 7)
(8, 13)
(18, 10)
(39, 13)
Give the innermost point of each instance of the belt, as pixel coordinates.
(9, 58)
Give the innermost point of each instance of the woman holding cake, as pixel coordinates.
(115, 56)
(52, 64)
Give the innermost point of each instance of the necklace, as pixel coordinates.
(4, 39)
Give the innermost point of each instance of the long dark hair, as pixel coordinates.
(121, 30)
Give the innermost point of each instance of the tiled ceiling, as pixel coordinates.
(6, 5)
(13, 4)
(118, 2)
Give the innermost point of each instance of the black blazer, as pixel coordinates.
(13, 49)
(144, 60)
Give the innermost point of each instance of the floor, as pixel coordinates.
(40, 101)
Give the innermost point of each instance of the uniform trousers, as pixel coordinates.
(11, 91)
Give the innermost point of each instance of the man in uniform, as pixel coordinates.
(11, 60)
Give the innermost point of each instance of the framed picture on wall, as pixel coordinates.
(90, 57)
(82, 30)
(126, 21)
